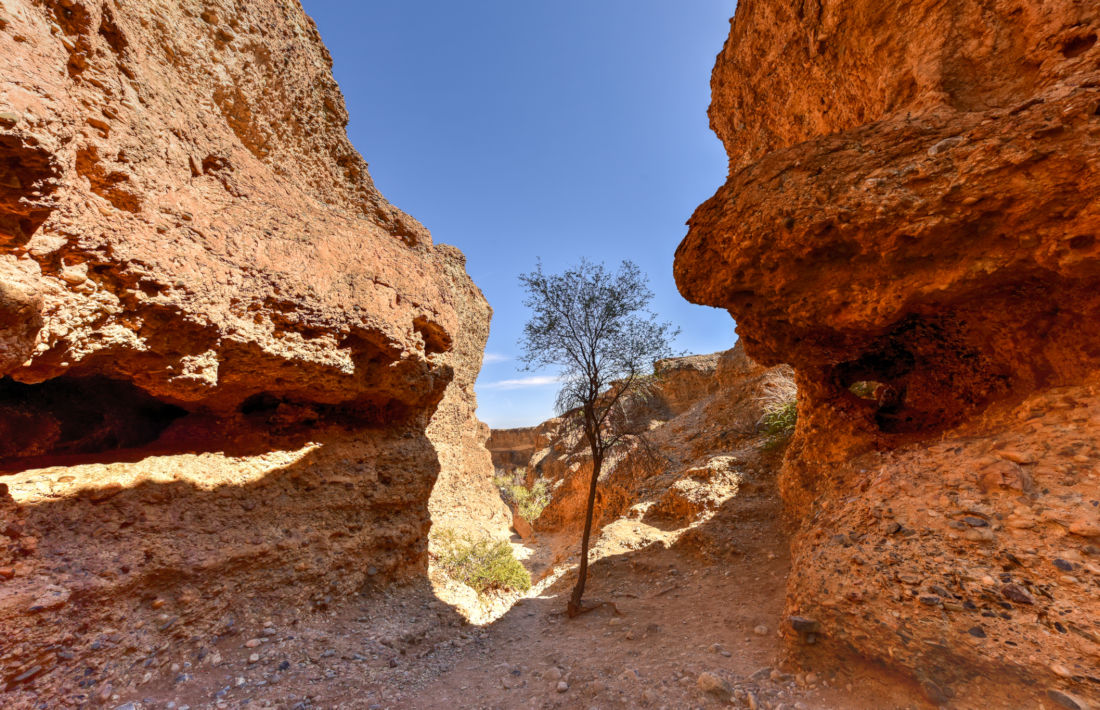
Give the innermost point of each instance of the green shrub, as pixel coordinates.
(503, 483)
(529, 502)
(484, 565)
(778, 423)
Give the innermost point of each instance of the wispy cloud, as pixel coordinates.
(522, 383)
(490, 358)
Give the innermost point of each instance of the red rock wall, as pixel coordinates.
(912, 203)
(221, 349)
(194, 220)
(512, 449)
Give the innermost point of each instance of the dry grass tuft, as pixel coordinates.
(778, 400)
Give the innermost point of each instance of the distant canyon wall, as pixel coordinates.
(911, 221)
(696, 444)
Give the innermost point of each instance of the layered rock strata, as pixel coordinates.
(911, 221)
(231, 371)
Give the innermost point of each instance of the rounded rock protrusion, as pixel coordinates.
(20, 321)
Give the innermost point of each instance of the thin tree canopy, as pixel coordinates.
(596, 328)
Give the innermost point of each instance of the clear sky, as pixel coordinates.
(519, 129)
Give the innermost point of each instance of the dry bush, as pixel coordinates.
(778, 400)
(528, 502)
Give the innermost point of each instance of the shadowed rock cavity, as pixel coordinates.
(910, 220)
(75, 415)
(28, 174)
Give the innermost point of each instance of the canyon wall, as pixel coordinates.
(464, 498)
(699, 445)
(911, 221)
(231, 371)
(512, 449)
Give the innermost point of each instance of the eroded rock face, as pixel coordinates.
(229, 369)
(686, 380)
(194, 220)
(927, 222)
(911, 221)
(464, 498)
(511, 449)
(969, 561)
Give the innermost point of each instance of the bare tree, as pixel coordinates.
(596, 328)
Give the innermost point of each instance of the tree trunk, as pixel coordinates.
(574, 606)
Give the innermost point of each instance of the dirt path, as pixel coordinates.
(696, 628)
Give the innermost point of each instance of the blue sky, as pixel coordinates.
(519, 130)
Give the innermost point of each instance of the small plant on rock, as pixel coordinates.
(778, 424)
(528, 502)
(864, 389)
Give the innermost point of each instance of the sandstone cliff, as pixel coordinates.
(910, 220)
(464, 497)
(221, 349)
(511, 449)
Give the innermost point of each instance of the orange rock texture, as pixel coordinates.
(229, 370)
(911, 221)
(193, 219)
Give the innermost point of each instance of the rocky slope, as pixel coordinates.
(910, 221)
(701, 445)
(230, 369)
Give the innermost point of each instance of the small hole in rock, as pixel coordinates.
(1077, 46)
(1084, 241)
(436, 339)
(263, 403)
